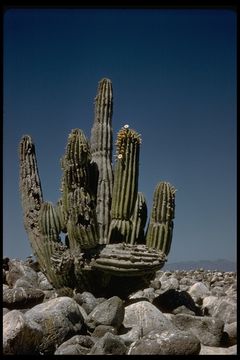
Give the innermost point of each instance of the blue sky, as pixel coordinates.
(174, 81)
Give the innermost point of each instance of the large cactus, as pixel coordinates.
(103, 220)
(160, 230)
(101, 150)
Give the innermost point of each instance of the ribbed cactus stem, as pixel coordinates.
(125, 186)
(138, 219)
(101, 150)
(160, 230)
(31, 192)
(75, 166)
(82, 223)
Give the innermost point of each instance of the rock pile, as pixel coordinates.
(180, 313)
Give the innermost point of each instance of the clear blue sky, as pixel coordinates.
(174, 81)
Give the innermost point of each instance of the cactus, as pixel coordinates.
(125, 186)
(101, 150)
(159, 234)
(103, 216)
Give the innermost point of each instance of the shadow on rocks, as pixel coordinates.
(172, 299)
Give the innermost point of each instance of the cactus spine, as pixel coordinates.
(160, 230)
(125, 186)
(101, 150)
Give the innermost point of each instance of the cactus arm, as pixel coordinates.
(160, 230)
(101, 150)
(31, 192)
(77, 201)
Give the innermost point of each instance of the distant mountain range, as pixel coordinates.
(219, 265)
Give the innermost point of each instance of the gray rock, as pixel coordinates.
(226, 310)
(5, 311)
(146, 316)
(60, 318)
(20, 298)
(183, 310)
(20, 336)
(231, 330)
(43, 282)
(87, 300)
(168, 342)
(77, 345)
(198, 292)
(110, 312)
(171, 299)
(101, 330)
(208, 330)
(209, 350)
(18, 269)
(170, 283)
(109, 344)
(129, 336)
(209, 304)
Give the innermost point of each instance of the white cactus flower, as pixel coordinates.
(126, 126)
(120, 156)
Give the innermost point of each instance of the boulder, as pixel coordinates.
(208, 330)
(172, 299)
(20, 335)
(212, 350)
(43, 282)
(109, 312)
(198, 292)
(87, 300)
(101, 330)
(77, 345)
(20, 298)
(168, 342)
(109, 344)
(17, 270)
(129, 336)
(146, 316)
(60, 318)
(231, 330)
(226, 310)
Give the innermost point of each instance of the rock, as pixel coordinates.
(171, 299)
(110, 312)
(77, 345)
(109, 344)
(231, 330)
(87, 300)
(170, 283)
(146, 316)
(198, 292)
(59, 318)
(5, 263)
(129, 336)
(210, 350)
(226, 310)
(183, 310)
(208, 330)
(43, 282)
(20, 336)
(5, 311)
(168, 342)
(209, 303)
(101, 330)
(20, 298)
(17, 270)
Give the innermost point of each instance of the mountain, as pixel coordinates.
(219, 265)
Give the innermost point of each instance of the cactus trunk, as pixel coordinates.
(31, 193)
(101, 150)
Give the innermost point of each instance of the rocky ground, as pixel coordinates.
(180, 313)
